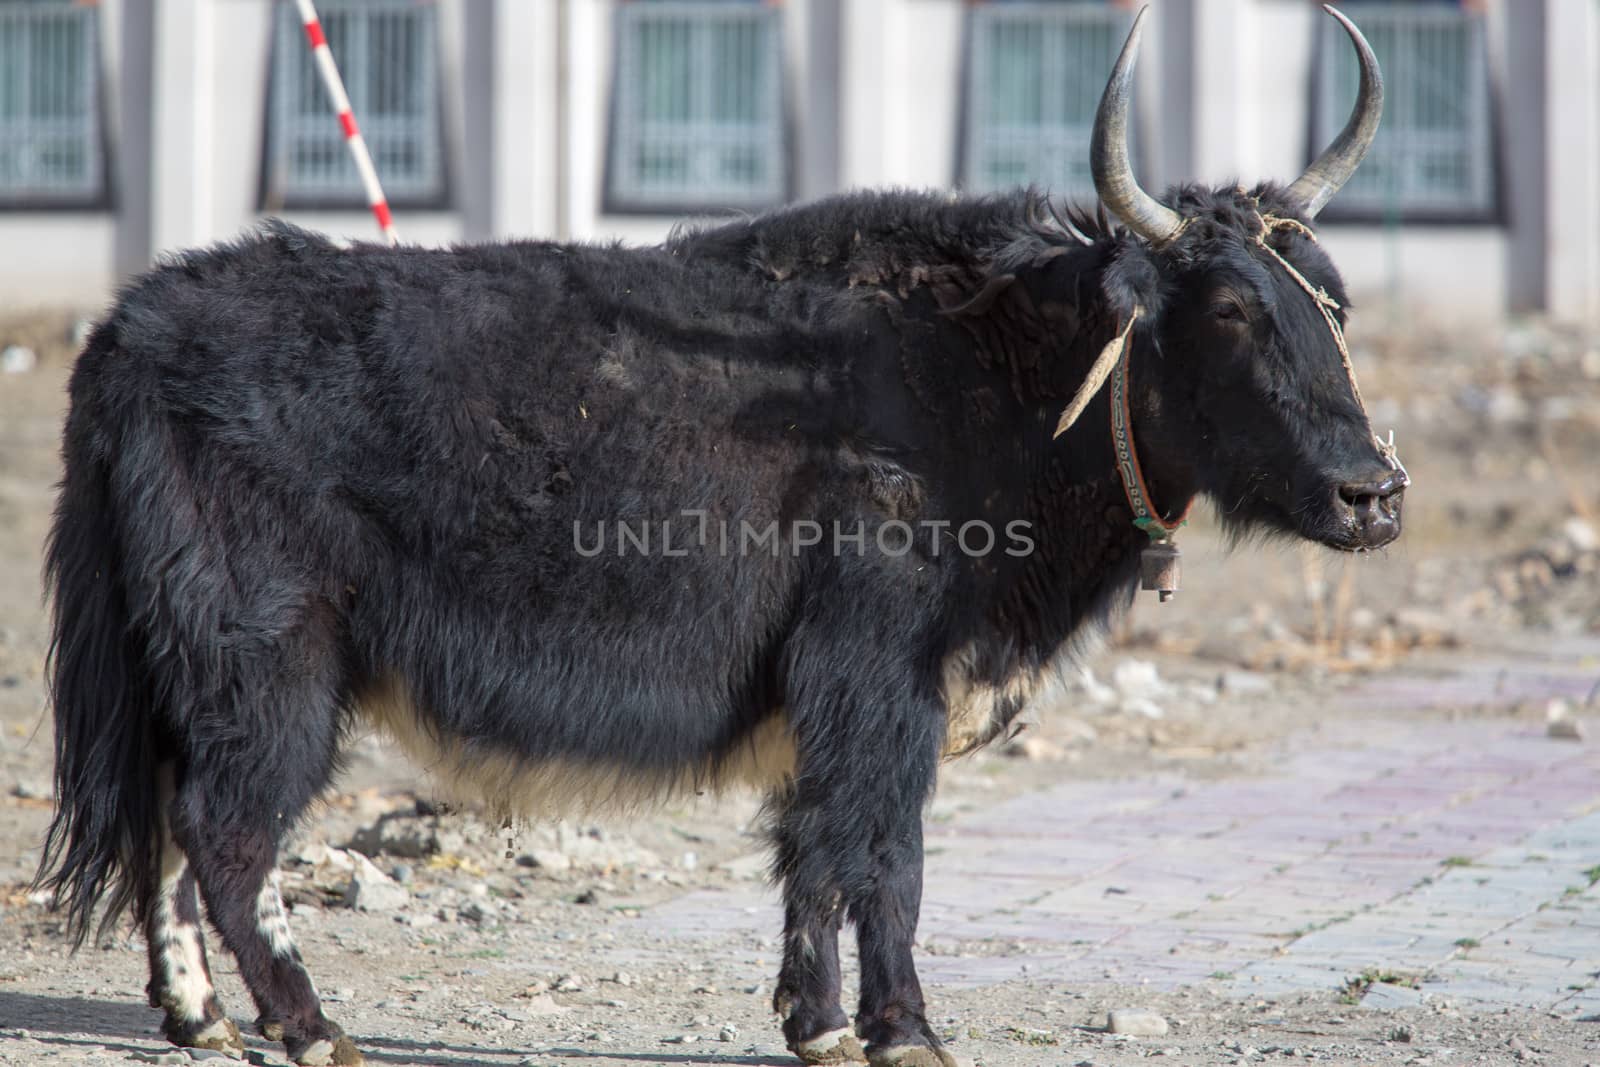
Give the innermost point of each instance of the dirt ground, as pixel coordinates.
(533, 946)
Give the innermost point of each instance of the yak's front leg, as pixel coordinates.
(892, 1017)
(810, 985)
(850, 836)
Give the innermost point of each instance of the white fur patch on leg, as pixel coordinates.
(272, 922)
(184, 983)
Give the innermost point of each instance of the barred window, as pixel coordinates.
(697, 116)
(1035, 72)
(50, 149)
(1433, 156)
(387, 52)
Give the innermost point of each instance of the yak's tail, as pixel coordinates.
(103, 843)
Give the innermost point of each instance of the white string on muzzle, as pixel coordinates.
(1328, 305)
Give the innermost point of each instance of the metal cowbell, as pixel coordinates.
(1160, 566)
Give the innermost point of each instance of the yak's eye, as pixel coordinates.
(1227, 311)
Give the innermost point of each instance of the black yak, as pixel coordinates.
(792, 500)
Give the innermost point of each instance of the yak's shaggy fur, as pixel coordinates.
(307, 484)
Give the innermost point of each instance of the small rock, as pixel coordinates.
(569, 983)
(1034, 749)
(690, 861)
(546, 859)
(624, 979)
(681, 1039)
(32, 789)
(1390, 996)
(729, 1032)
(1140, 706)
(402, 835)
(1136, 1023)
(1565, 730)
(1239, 683)
(1137, 678)
(318, 854)
(1559, 722)
(1581, 534)
(370, 889)
(751, 867)
(159, 1057)
(401, 872)
(1092, 687)
(17, 359)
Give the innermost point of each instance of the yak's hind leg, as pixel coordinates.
(180, 977)
(241, 791)
(235, 863)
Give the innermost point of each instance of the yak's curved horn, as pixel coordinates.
(1333, 168)
(1108, 153)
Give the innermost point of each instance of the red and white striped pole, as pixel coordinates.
(347, 119)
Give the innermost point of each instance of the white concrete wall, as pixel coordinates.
(59, 259)
(1237, 108)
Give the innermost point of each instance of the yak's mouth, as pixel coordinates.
(1359, 513)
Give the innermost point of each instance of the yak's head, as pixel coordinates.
(1239, 336)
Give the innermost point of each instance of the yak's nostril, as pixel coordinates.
(1381, 487)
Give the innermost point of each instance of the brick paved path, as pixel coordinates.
(1456, 852)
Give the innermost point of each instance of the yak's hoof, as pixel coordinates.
(835, 1046)
(218, 1035)
(329, 1052)
(911, 1056)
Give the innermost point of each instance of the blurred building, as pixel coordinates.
(129, 127)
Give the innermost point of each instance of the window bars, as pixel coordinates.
(1433, 157)
(387, 51)
(50, 151)
(1035, 72)
(697, 120)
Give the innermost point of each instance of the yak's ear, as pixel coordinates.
(1132, 280)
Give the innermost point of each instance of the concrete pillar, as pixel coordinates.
(1225, 93)
(863, 128)
(182, 120)
(1572, 133)
(526, 83)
